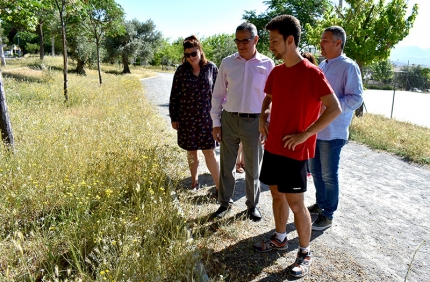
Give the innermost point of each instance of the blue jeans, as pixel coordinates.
(324, 168)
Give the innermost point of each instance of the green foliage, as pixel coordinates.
(216, 48)
(373, 28)
(37, 13)
(31, 47)
(20, 12)
(140, 41)
(425, 74)
(383, 71)
(219, 46)
(307, 11)
(80, 49)
(413, 77)
(105, 18)
(24, 39)
(379, 87)
(149, 38)
(169, 53)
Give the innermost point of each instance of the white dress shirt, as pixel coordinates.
(239, 86)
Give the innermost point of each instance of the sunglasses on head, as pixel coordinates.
(192, 54)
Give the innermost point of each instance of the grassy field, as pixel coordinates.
(85, 196)
(409, 141)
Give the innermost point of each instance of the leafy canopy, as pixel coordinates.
(307, 11)
(373, 27)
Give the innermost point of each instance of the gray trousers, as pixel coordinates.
(237, 129)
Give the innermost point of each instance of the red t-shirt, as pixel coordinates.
(296, 103)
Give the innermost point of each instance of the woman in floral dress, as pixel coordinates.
(190, 105)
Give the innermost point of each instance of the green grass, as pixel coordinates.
(85, 194)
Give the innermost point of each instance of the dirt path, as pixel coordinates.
(382, 220)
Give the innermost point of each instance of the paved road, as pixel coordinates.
(157, 89)
(408, 106)
(383, 216)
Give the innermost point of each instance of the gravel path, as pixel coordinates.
(382, 220)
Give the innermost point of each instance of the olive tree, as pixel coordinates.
(140, 40)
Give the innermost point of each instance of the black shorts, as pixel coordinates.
(286, 173)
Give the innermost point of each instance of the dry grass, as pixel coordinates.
(406, 140)
(85, 195)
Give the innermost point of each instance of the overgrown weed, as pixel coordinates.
(85, 195)
(409, 141)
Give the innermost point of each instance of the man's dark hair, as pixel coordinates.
(337, 33)
(249, 27)
(286, 25)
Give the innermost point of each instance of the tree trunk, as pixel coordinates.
(5, 126)
(98, 59)
(125, 64)
(41, 40)
(3, 59)
(53, 46)
(63, 35)
(80, 68)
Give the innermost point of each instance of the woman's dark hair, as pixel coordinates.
(310, 57)
(193, 42)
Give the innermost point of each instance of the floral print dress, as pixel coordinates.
(190, 105)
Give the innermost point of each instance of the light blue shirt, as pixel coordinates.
(345, 78)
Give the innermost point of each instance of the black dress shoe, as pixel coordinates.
(221, 212)
(254, 214)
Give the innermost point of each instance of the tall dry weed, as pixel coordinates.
(85, 195)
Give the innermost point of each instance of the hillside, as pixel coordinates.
(404, 55)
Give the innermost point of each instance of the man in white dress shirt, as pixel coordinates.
(236, 104)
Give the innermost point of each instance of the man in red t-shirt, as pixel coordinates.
(294, 93)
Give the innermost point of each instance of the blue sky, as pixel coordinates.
(181, 18)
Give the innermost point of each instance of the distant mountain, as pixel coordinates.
(412, 55)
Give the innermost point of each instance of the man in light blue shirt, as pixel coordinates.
(345, 78)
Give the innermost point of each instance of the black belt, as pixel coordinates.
(244, 115)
